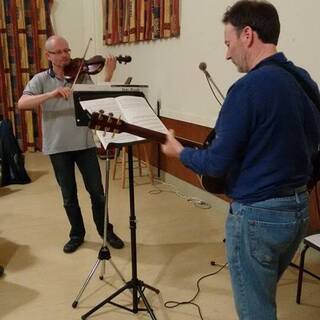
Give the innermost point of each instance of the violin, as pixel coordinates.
(91, 66)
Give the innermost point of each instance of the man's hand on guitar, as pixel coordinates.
(172, 147)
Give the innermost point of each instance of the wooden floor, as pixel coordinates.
(175, 243)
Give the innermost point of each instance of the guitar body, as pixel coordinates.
(215, 185)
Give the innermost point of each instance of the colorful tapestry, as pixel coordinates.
(141, 20)
(24, 28)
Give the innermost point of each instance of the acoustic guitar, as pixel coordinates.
(98, 121)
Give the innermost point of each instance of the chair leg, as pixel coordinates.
(123, 168)
(115, 162)
(301, 268)
(123, 164)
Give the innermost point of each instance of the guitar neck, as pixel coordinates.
(157, 136)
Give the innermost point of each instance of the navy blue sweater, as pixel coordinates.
(266, 132)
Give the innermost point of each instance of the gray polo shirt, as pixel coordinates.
(59, 130)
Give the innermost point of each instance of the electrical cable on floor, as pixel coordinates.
(172, 189)
(170, 304)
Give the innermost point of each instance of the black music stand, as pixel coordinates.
(81, 93)
(136, 285)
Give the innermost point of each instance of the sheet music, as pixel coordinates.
(108, 105)
(137, 111)
(134, 110)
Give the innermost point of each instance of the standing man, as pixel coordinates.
(266, 133)
(67, 144)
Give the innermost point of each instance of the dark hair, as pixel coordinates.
(261, 16)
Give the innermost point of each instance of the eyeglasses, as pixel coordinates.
(58, 52)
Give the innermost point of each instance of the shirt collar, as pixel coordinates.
(51, 72)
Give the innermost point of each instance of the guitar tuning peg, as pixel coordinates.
(100, 116)
(105, 131)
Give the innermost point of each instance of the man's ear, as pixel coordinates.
(47, 55)
(248, 35)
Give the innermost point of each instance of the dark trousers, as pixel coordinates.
(64, 169)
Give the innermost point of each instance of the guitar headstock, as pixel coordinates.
(107, 123)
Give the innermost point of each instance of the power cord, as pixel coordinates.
(172, 189)
(173, 304)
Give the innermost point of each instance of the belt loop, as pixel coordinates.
(297, 197)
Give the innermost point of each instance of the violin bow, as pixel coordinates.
(81, 65)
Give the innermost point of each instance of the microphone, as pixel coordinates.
(203, 68)
(124, 59)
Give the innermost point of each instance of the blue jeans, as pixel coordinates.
(262, 239)
(64, 169)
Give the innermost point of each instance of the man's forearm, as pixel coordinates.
(31, 102)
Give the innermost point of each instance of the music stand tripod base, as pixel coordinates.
(104, 253)
(135, 285)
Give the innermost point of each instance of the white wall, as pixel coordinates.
(170, 67)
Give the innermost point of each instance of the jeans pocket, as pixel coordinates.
(267, 241)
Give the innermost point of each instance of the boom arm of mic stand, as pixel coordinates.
(210, 82)
(216, 87)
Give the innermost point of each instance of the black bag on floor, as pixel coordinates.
(12, 170)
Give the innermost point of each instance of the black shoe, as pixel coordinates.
(1, 271)
(72, 245)
(114, 240)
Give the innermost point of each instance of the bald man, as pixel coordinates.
(67, 144)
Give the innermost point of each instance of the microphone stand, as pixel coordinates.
(210, 81)
(203, 67)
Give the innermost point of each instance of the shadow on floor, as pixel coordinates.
(35, 175)
(8, 250)
(16, 296)
(4, 191)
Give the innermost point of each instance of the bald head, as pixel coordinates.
(54, 41)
